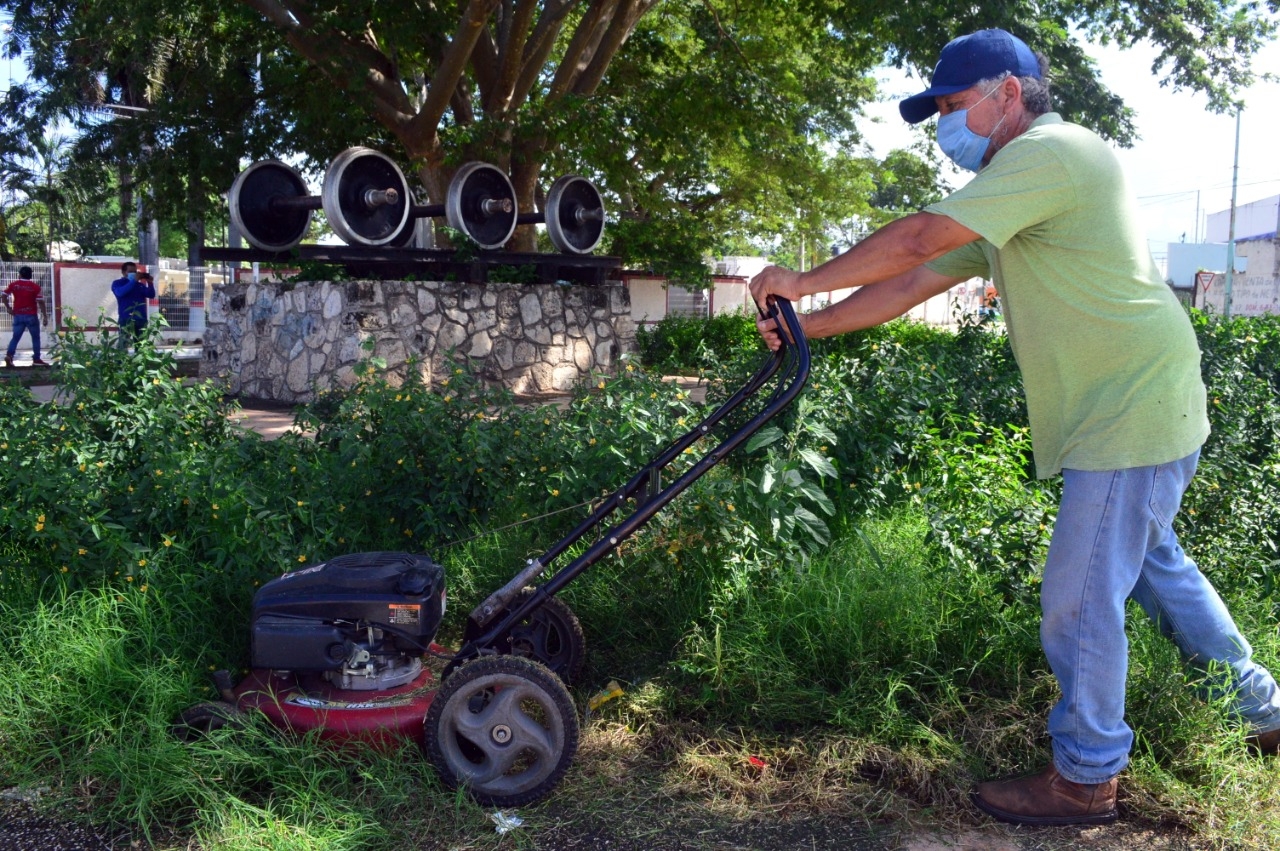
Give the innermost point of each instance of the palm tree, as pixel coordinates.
(43, 198)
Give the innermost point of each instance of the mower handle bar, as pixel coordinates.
(793, 354)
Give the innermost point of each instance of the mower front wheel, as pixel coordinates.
(504, 728)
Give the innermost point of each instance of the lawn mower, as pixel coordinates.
(338, 648)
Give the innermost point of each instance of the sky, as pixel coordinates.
(1180, 168)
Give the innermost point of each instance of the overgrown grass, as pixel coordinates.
(841, 620)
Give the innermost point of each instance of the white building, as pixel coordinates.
(1255, 286)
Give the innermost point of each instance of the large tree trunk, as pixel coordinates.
(525, 169)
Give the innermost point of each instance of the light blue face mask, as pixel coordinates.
(964, 147)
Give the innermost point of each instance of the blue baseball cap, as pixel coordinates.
(965, 61)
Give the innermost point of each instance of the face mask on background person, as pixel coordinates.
(964, 147)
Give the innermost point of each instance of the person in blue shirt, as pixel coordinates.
(132, 291)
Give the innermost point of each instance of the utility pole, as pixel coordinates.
(1231, 227)
(1197, 236)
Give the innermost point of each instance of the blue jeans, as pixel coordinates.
(1113, 541)
(25, 323)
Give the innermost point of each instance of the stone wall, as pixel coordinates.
(285, 342)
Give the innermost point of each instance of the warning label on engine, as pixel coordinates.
(404, 614)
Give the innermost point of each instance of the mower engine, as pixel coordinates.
(362, 620)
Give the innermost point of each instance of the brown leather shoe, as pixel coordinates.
(1263, 744)
(1047, 798)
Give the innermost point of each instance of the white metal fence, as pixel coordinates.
(42, 274)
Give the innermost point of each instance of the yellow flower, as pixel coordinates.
(555, 492)
(39, 527)
(591, 442)
(168, 542)
(65, 568)
(40, 519)
(302, 558)
(82, 551)
(128, 579)
(143, 588)
(142, 562)
(729, 506)
(215, 506)
(301, 503)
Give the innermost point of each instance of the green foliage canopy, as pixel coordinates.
(703, 122)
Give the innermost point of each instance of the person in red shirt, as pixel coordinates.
(22, 298)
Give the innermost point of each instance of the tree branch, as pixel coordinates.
(513, 35)
(620, 29)
(539, 46)
(578, 53)
(452, 65)
(334, 53)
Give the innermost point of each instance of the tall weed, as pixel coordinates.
(870, 566)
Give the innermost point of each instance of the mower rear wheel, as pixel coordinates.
(553, 636)
(503, 728)
(204, 718)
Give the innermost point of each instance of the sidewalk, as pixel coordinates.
(270, 421)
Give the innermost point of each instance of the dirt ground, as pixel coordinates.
(24, 829)
(653, 823)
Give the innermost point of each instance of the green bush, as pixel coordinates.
(683, 345)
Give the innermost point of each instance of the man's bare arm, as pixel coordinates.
(896, 248)
(871, 305)
(875, 305)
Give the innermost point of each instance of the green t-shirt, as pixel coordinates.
(1109, 359)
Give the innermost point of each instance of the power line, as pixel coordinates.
(1215, 186)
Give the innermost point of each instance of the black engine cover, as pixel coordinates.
(302, 619)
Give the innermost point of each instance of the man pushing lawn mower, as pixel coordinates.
(1111, 372)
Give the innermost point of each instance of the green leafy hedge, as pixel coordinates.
(870, 562)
